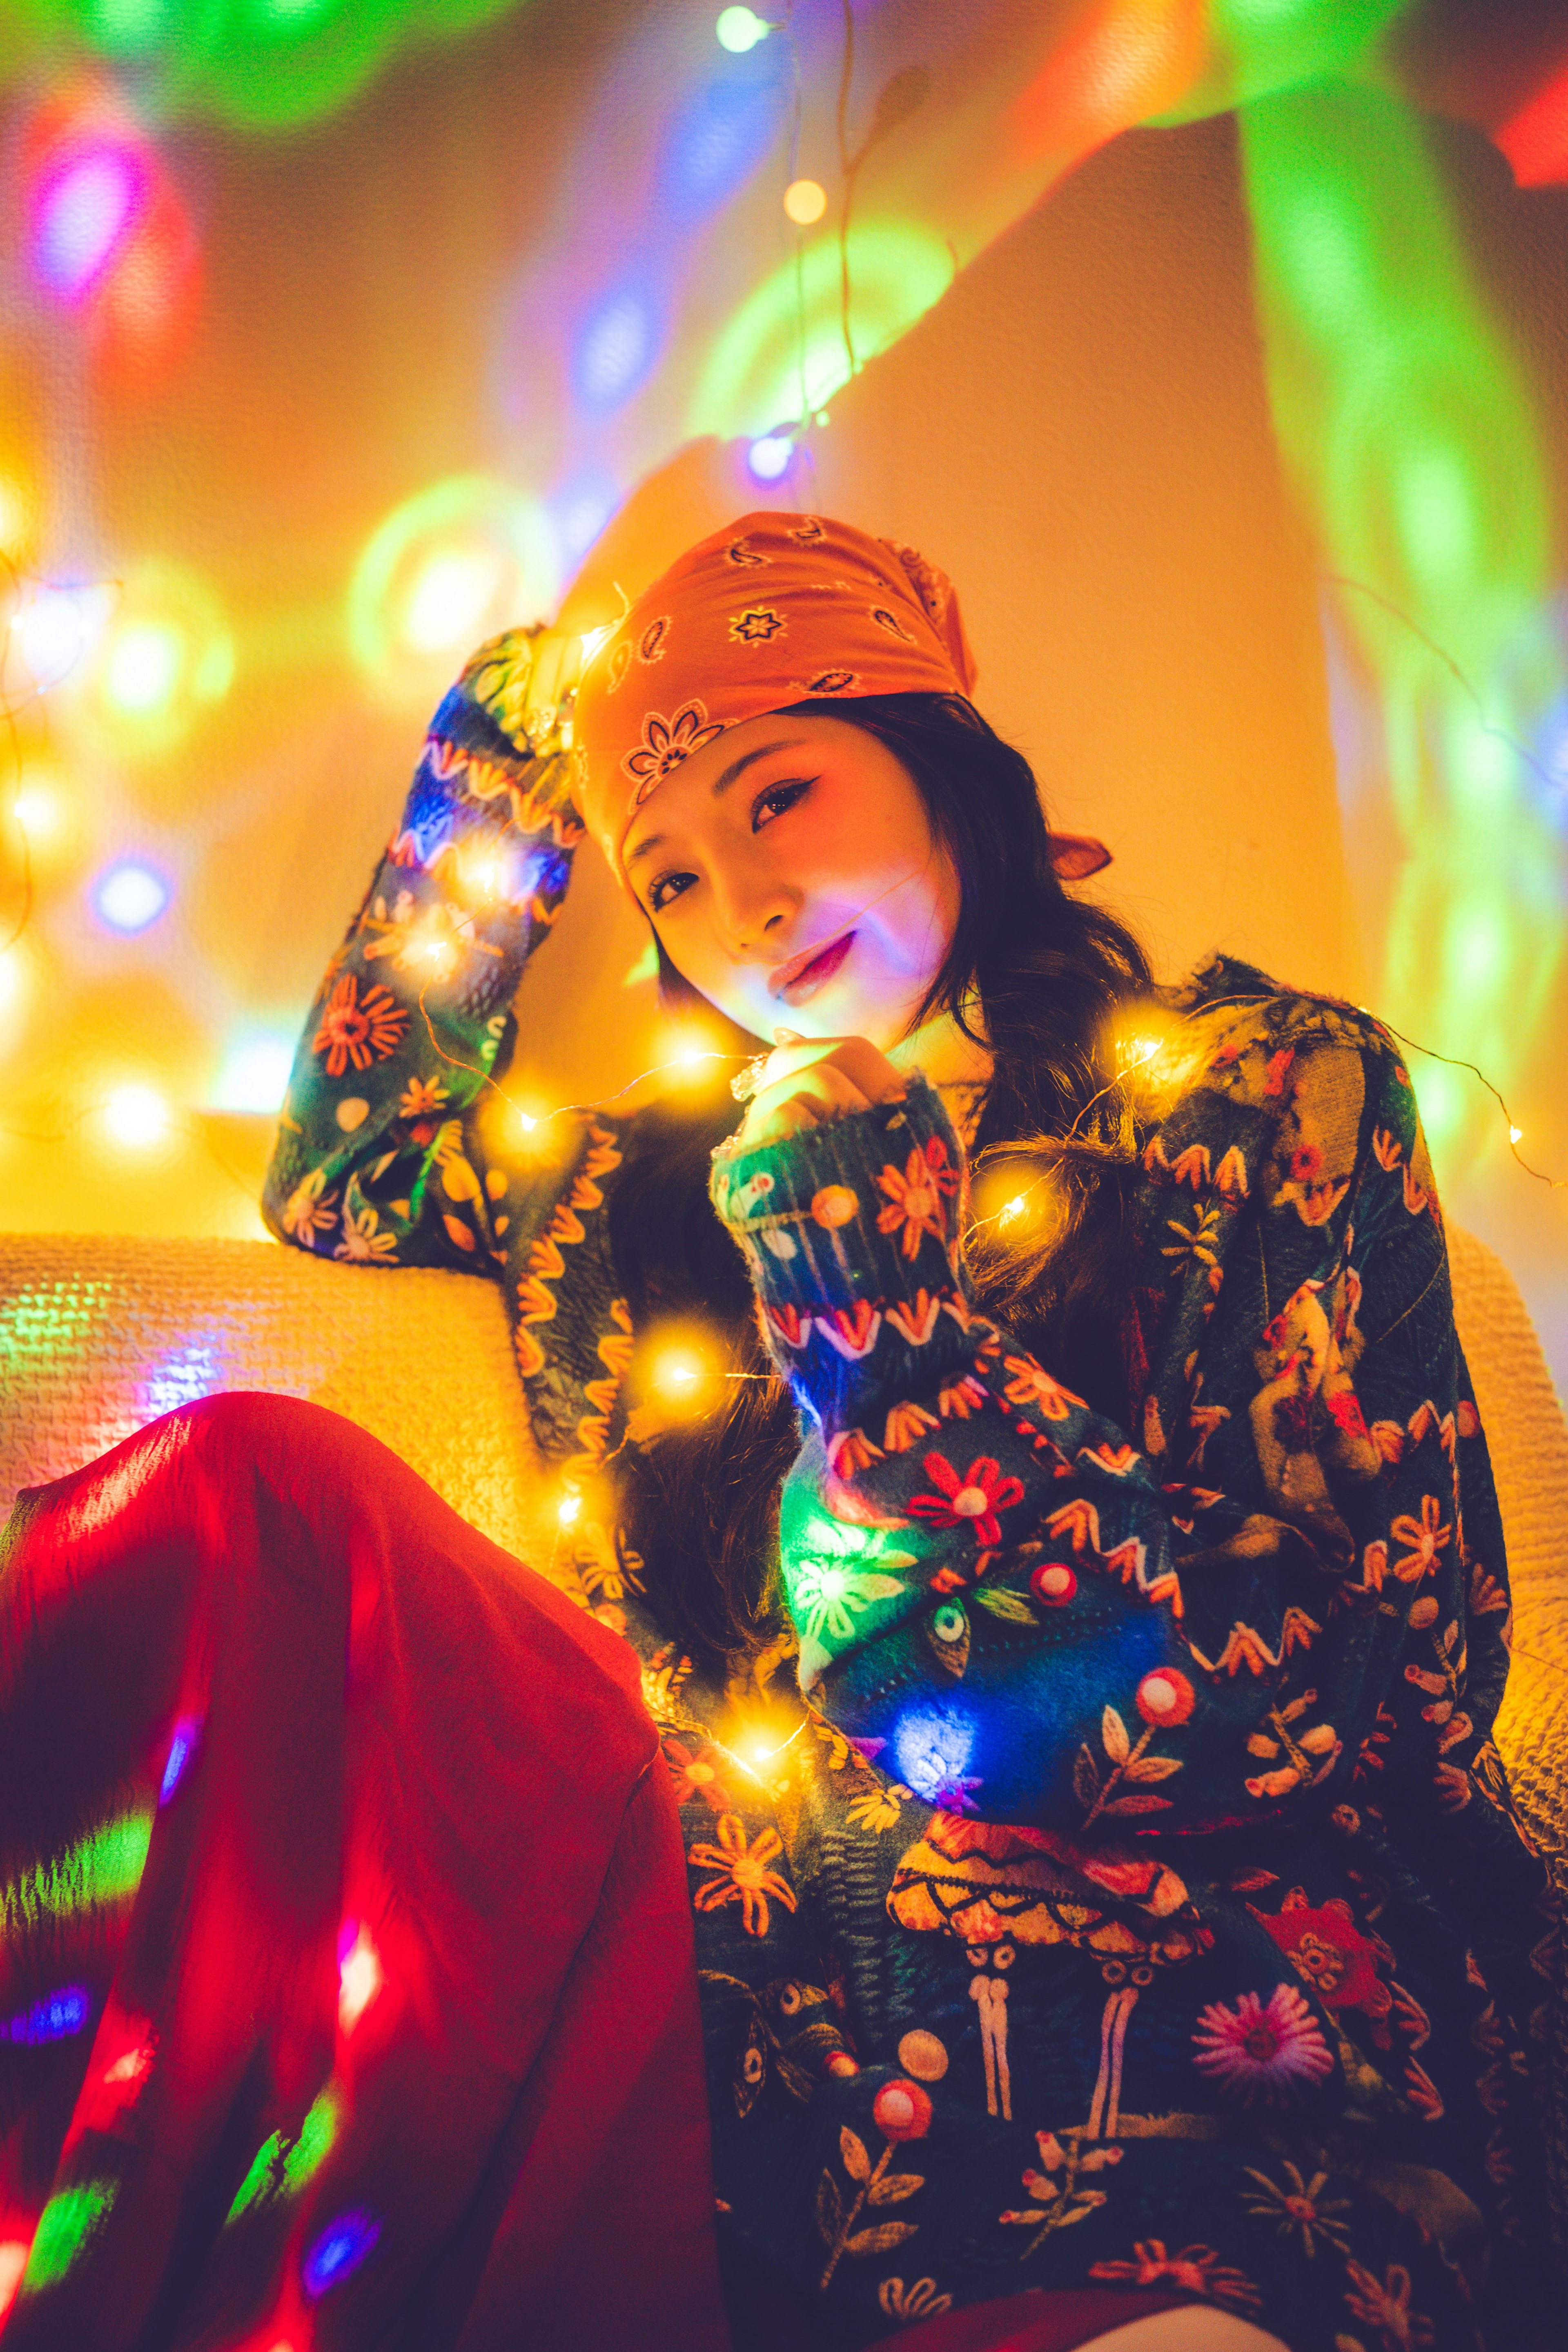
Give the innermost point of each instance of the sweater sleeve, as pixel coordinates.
(999, 1597)
(382, 1153)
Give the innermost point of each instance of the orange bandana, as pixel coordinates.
(775, 609)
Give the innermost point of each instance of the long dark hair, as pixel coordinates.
(1042, 976)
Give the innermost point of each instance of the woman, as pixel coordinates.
(1135, 1913)
(1140, 1901)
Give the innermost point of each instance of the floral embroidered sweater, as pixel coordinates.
(1140, 1898)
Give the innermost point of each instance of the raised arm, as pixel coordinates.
(381, 1156)
(1021, 1614)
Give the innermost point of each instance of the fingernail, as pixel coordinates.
(789, 1038)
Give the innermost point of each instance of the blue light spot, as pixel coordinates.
(182, 1748)
(932, 1753)
(581, 510)
(54, 2018)
(82, 218)
(129, 896)
(769, 458)
(182, 1379)
(342, 2246)
(616, 352)
(715, 143)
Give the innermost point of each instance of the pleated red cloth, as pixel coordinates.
(393, 2036)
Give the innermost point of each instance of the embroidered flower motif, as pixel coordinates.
(901, 2110)
(878, 1808)
(833, 1206)
(1199, 2269)
(1329, 1952)
(1299, 2205)
(1054, 1584)
(1426, 1539)
(1262, 2049)
(915, 1318)
(920, 2301)
(906, 1425)
(307, 1210)
(362, 1241)
(744, 1876)
(356, 1031)
(851, 1452)
(422, 1098)
(666, 742)
(961, 1398)
(1164, 1698)
(826, 1595)
(976, 1497)
(915, 1196)
(698, 1774)
(1388, 2306)
(1033, 1385)
(757, 626)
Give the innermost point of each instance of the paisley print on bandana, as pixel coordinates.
(666, 742)
(756, 624)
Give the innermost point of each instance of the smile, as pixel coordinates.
(805, 980)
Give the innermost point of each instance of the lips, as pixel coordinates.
(805, 978)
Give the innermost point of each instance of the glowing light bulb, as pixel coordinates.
(38, 812)
(143, 670)
(451, 597)
(569, 1508)
(51, 632)
(360, 1979)
(805, 200)
(768, 459)
(1139, 1050)
(136, 1116)
(484, 872)
(129, 896)
(1014, 1208)
(438, 955)
(676, 1372)
(1516, 1134)
(526, 1123)
(592, 639)
(741, 29)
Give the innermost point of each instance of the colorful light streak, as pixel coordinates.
(285, 2162)
(56, 2018)
(66, 2226)
(1404, 421)
(102, 1868)
(339, 2250)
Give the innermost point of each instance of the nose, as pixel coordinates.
(754, 915)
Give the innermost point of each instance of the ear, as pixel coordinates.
(1075, 854)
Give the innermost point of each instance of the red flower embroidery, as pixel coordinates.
(915, 1196)
(901, 2110)
(745, 1877)
(356, 1031)
(1271, 2049)
(1329, 1953)
(1199, 2269)
(697, 1774)
(1164, 1698)
(976, 1498)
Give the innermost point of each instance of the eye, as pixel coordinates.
(663, 892)
(777, 799)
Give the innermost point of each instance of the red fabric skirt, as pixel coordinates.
(345, 1984)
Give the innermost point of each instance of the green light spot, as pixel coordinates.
(105, 1866)
(281, 2165)
(65, 2226)
(782, 354)
(38, 1325)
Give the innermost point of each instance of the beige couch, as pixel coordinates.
(100, 1335)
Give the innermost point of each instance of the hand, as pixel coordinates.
(808, 1080)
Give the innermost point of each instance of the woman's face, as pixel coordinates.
(793, 877)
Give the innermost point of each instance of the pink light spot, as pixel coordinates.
(83, 216)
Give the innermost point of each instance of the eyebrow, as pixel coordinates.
(737, 768)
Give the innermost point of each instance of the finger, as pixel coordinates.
(805, 1100)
